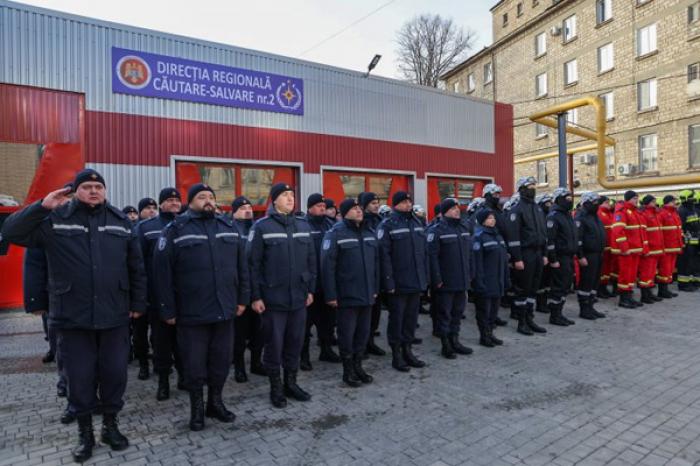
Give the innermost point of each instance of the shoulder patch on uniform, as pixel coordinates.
(251, 235)
(380, 233)
(578, 223)
(550, 223)
(513, 217)
(431, 237)
(476, 246)
(326, 244)
(162, 242)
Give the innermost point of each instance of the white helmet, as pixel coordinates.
(560, 192)
(524, 181)
(492, 188)
(589, 196)
(384, 210)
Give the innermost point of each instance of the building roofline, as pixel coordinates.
(553, 8)
(498, 3)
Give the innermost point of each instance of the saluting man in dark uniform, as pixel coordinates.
(201, 283)
(96, 283)
(369, 202)
(319, 314)
(449, 250)
(404, 266)
(350, 273)
(248, 326)
(282, 261)
(165, 353)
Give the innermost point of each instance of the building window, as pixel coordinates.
(646, 94)
(570, 72)
(646, 40)
(519, 9)
(610, 161)
(541, 85)
(488, 73)
(606, 58)
(541, 172)
(603, 11)
(693, 72)
(455, 86)
(505, 19)
(572, 116)
(693, 12)
(694, 145)
(541, 131)
(647, 152)
(471, 82)
(609, 103)
(540, 44)
(569, 28)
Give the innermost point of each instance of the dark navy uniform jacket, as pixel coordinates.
(200, 269)
(148, 232)
(372, 221)
(591, 232)
(36, 296)
(282, 260)
(562, 238)
(491, 277)
(350, 264)
(449, 248)
(319, 224)
(95, 267)
(525, 229)
(244, 226)
(403, 253)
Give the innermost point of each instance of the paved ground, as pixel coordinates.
(623, 391)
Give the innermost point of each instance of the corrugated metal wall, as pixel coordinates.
(59, 51)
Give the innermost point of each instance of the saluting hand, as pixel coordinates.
(56, 198)
(240, 309)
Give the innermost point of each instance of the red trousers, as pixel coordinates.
(647, 270)
(667, 264)
(609, 270)
(628, 268)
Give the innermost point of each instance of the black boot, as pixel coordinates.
(664, 292)
(494, 339)
(256, 366)
(555, 317)
(541, 305)
(196, 409)
(653, 296)
(594, 311)
(305, 361)
(181, 381)
(216, 407)
(276, 392)
(484, 335)
(291, 388)
(500, 322)
(615, 290)
(50, 356)
(688, 287)
(585, 309)
(144, 372)
(530, 321)
(328, 355)
(409, 357)
(397, 361)
(626, 300)
(359, 370)
(634, 301)
(563, 317)
(603, 292)
(349, 375)
(646, 296)
(523, 328)
(67, 417)
(458, 347)
(110, 433)
(86, 439)
(239, 373)
(373, 349)
(163, 392)
(447, 351)
(61, 391)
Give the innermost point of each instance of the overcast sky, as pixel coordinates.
(290, 27)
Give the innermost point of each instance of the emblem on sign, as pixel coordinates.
(133, 72)
(288, 96)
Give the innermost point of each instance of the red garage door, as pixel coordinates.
(462, 189)
(339, 185)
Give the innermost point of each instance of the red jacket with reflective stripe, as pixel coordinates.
(627, 233)
(606, 216)
(653, 230)
(671, 228)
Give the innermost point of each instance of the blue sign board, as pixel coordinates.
(151, 75)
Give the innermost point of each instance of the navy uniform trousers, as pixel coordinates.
(449, 309)
(284, 337)
(403, 317)
(353, 329)
(206, 351)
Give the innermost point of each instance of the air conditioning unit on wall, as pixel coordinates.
(588, 159)
(627, 169)
(555, 30)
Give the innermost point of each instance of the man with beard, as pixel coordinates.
(247, 326)
(282, 260)
(201, 283)
(165, 353)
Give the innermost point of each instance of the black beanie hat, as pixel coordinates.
(365, 198)
(129, 208)
(669, 198)
(314, 199)
(399, 197)
(239, 202)
(482, 215)
(88, 175)
(168, 193)
(436, 208)
(346, 205)
(647, 199)
(198, 188)
(278, 189)
(145, 202)
(330, 204)
(630, 194)
(447, 204)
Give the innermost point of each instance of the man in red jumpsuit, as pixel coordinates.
(609, 271)
(672, 230)
(628, 245)
(654, 249)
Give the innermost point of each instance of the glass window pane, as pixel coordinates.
(446, 189)
(381, 186)
(465, 192)
(18, 163)
(222, 179)
(256, 184)
(694, 145)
